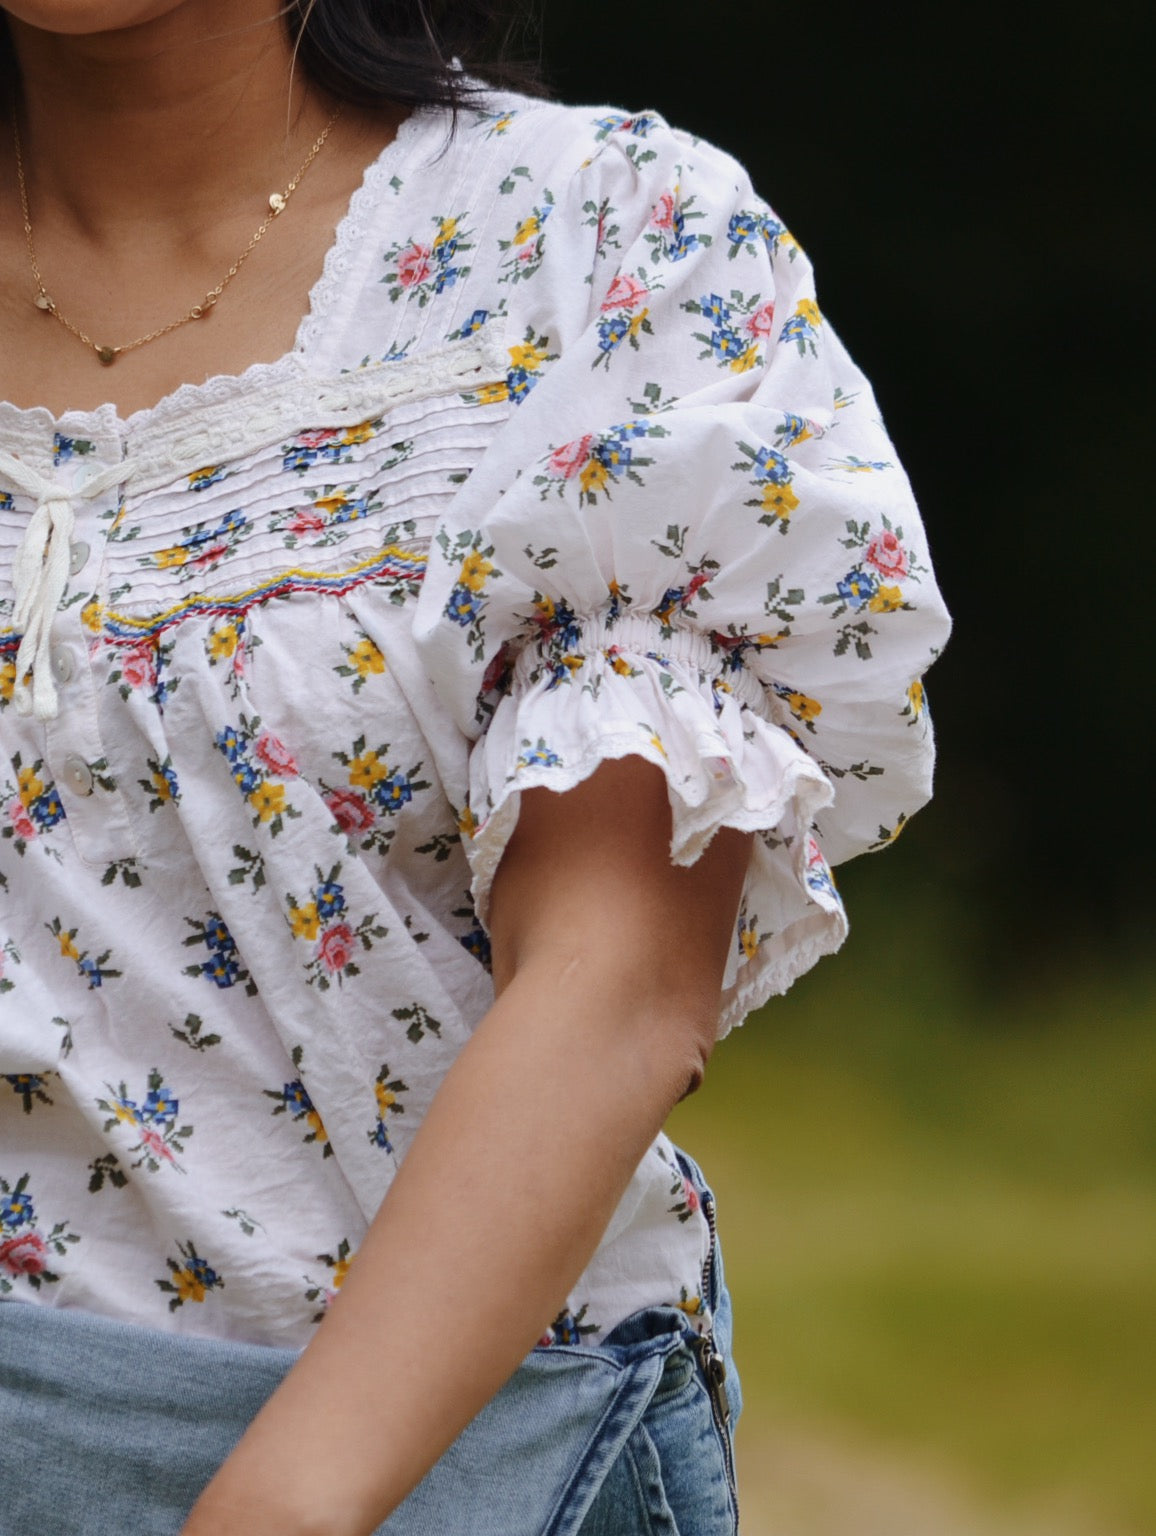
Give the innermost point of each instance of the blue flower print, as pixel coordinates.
(16, 1210)
(223, 966)
(160, 1106)
(477, 943)
(681, 243)
(473, 325)
(330, 899)
(202, 479)
(463, 606)
(539, 756)
(65, 448)
(714, 308)
(771, 465)
(46, 810)
(391, 793)
(857, 588)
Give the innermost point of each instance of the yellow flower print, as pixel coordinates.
(467, 822)
(67, 948)
(367, 658)
(341, 1270)
(620, 665)
(636, 322)
(886, 600)
(331, 504)
(447, 230)
(304, 921)
(528, 357)
(475, 569)
(780, 500)
(29, 785)
(745, 360)
(92, 616)
(124, 1112)
(366, 770)
(385, 1098)
(7, 680)
(315, 1123)
(502, 123)
(809, 311)
(200, 478)
(915, 698)
(572, 662)
(656, 742)
(492, 394)
(188, 1286)
(268, 800)
(691, 1305)
(161, 787)
(361, 433)
(802, 707)
(594, 477)
(749, 942)
(174, 555)
(527, 230)
(223, 642)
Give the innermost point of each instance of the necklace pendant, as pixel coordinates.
(276, 202)
(42, 301)
(107, 355)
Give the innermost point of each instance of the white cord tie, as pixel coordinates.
(40, 575)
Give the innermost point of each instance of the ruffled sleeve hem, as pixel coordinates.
(607, 688)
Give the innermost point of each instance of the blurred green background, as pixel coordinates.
(936, 1159)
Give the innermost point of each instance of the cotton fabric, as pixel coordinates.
(621, 1437)
(566, 465)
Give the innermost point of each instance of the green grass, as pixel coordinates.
(939, 1217)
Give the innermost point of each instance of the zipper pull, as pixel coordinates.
(714, 1368)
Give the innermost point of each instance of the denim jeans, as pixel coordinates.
(105, 1426)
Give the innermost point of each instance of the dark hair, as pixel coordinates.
(371, 51)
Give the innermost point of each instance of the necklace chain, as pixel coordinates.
(109, 354)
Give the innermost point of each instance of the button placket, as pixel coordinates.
(94, 810)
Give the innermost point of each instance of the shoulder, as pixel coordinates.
(532, 142)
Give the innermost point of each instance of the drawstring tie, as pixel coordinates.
(40, 575)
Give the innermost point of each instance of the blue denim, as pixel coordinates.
(105, 1426)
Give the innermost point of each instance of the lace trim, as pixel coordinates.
(223, 430)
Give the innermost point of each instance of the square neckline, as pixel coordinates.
(105, 420)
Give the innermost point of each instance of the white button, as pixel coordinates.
(62, 664)
(77, 775)
(78, 557)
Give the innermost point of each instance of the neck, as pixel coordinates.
(147, 124)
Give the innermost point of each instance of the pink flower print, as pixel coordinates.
(624, 293)
(565, 462)
(413, 266)
(211, 554)
(155, 1143)
(306, 521)
(317, 437)
(887, 555)
(26, 1254)
(699, 579)
(762, 321)
(663, 215)
(336, 947)
(690, 1194)
(528, 252)
(276, 756)
(22, 823)
(351, 811)
(139, 667)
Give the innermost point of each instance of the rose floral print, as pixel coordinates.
(568, 463)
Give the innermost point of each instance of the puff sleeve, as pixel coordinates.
(691, 542)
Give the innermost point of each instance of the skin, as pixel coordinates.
(154, 132)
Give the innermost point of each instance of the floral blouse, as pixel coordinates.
(566, 464)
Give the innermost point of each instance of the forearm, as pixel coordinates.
(513, 1177)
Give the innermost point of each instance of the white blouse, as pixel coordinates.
(566, 464)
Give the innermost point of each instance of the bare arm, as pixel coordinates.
(605, 955)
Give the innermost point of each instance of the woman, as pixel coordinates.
(551, 587)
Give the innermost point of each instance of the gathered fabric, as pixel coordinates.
(566, 465)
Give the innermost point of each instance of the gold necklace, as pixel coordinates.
(108, 355)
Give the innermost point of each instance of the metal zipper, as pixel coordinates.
(713, 1365)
